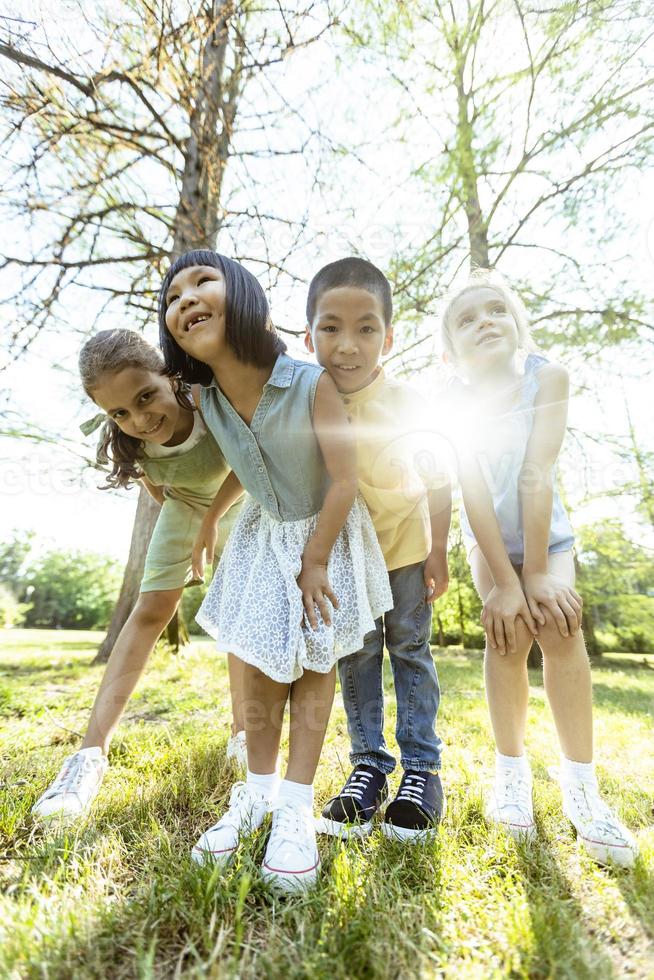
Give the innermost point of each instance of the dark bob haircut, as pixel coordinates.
(355, 272)
(248, 328)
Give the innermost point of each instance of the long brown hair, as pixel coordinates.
(108, 352)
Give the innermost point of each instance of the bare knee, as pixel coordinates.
(517, 657)
(156, 608)
(551, 640)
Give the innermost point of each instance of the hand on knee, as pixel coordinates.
(550, 636)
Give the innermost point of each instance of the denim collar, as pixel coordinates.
(282, 372)
(281, 375)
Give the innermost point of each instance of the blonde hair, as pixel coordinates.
(492, 280)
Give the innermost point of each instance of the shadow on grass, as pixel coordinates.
(624, 665)
(36, 671)
(564, 942)
(637, 887)
(626, 698)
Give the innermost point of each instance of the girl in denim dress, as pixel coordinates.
(302, 578)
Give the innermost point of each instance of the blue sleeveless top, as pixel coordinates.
(501, 462)
(277, 457)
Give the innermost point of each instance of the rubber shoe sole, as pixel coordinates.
(607, 854)
(519, 832)
(282, 882)
(409, 835)
(60, 814)
(204, 856)
(344, 831)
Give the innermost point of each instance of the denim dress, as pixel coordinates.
(254, 605)
(501, 460)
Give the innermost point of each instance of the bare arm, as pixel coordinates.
(205, 542)
(440, 514)
(536, 487)
(336, 442)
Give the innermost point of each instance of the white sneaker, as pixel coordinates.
(291, 862)
(247, 811)
(76, 785)
(237, 752)
(509, 803)
(599, 830)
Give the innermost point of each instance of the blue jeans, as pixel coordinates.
(406, 628)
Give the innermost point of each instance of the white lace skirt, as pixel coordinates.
(254, 609)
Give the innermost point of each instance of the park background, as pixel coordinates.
(426, 137)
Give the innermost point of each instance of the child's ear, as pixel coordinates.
(308, 342)
(388, 340)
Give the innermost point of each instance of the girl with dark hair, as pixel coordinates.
(302, 578)
(152, 432)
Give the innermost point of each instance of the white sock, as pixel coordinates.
(267, 784)
(518, 762)
(299, 794)
(578, 772)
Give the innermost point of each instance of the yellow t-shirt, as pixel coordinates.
(397, 463)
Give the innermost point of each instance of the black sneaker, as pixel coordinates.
(350, 813)
(417, 809)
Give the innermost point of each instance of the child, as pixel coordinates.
(349, 314)
(512, 423)
(152, 433)
(303, 546)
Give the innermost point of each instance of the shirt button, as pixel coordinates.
(261, 469)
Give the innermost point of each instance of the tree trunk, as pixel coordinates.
(147, 511)
(177, 634)
(588, 621)
(477, 230)
(197, 222)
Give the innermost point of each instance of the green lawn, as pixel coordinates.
(119, 897)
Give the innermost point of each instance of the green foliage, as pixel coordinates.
(12, 612)
(191, 601)
(455, 618)
(13, 556)
(72, 590)
(616, 577)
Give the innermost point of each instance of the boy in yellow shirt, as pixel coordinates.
(349, 328)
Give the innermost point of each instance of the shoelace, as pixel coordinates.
(516, 790)
(70, 777)
(594, 810)
(357, 784)
(240, 807)
(412, 788)
(289, 822)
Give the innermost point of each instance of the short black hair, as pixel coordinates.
(351, 271)
(248, 328)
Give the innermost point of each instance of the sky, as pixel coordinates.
(48, 488)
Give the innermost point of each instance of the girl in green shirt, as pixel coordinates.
(152, 432)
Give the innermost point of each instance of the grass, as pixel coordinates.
(117, 896)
